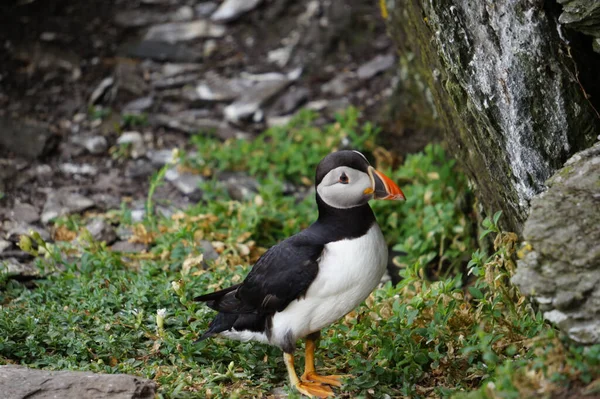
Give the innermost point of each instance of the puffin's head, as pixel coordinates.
(345, 179)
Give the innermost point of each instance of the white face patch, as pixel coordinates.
(338, 194)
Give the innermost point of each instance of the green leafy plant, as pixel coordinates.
(453, 326)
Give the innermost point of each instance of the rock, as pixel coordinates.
(183, 13)
(499, 78)
(377, 65)
(102, 90)
(230, 10)
(240, 186)
(63, 202)
(175, 81)
(274, 121)
(135, 141)
(94, 144)
(74, 169)
(159, 51)
(138, 17)
(290, 101)
(106, 201)
(26, 138)
(139, 168)
(208, 251)
(253, 99)
(184, 31)
(584, 16)
(17, 382)
(101, 230)
(341, 84)
(126, 246)
(187, 123)
(562, 270)
(186, 183)
(204, 9)
(124, 233)
(17, 270)
(23, 212)
(215, 88)
(16, 229)
(4, 245)
(160, 158)
(139, 105)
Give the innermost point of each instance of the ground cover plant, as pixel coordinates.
(453, 326)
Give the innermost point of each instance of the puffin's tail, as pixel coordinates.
(215, 299)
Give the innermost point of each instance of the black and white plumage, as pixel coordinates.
(310, 280)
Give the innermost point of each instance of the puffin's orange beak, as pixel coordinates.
(383, 187)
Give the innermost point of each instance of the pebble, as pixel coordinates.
(63, 202)
(230, 10)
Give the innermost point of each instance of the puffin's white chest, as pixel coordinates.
(348, 271)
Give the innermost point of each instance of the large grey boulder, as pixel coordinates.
(504, 86)
(561, 270)
(18, 382)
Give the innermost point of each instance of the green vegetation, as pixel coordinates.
(452, 326)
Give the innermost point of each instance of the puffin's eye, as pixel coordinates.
(344, 178)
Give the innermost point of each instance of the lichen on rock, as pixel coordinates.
(504, 89)
(562, 269)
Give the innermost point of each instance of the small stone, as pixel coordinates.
(139, 168)
(186, 183)
(204, 9)
(183, 13)
(275, 121)
(137, 18)
(377, 65)
(253, 99)
(27, 138)
(160, 51)
(208, 250)
(101, 230)
(74, 169)
(4, 245)
(160, 158)
(139, 105)
(106, 201)
(23, 212)
(22, 382)
(210, 46)
(94, 144)
(184, 31)
(135, 140)
(280, 56)
(16, 229)
(124, 233)
(240, 186)
(16, 269)
(215, 88)
(341, 84)
(126, 246)
(230, 10)
(101, 90)
(63, 202)
(290, 101)
(192, 125)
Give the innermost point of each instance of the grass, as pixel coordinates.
(453, 326)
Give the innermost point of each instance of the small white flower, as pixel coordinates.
(160, 320)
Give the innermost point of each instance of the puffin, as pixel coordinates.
(315, 277)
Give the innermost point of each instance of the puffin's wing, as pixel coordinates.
(281, 275)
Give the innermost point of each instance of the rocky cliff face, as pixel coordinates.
(561, 263)
(501, 79)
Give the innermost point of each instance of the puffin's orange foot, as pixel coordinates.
(313, 389)
(333, 380)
